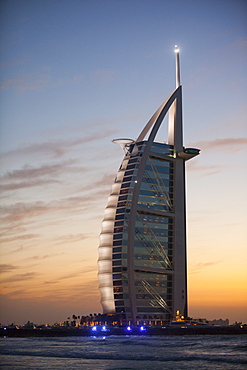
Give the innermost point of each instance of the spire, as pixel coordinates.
(175, 129)
(177, 67)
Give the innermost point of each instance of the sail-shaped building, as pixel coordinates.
(142, 265)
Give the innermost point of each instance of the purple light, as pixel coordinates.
(128, 328)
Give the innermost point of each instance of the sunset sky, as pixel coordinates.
(76, 74)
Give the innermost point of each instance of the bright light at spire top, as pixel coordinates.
(176, 49)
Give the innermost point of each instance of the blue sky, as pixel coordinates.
(74, 76)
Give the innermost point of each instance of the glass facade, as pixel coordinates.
(151, 248)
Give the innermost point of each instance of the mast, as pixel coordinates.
(175, 129)
(176, 50)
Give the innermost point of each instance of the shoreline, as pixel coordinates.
(120, 331)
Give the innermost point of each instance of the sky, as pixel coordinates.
(76, 74)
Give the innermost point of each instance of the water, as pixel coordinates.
(115, 352)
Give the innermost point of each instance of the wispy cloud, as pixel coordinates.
(51, 255)
(26, 213)
(207, 170)
(37, 81)
(26, 184)
(104, 76)
(71, 275)
(26, 82)
(34, 172)
(19, 238)
(36, 176)
(13, 63)
(202, 265)
(57, 149)
(232, 145)
(106, 180)
(50, 291)
(7, 268)
(69, 81)
(21, 210)
(64, 239)
(20, 277)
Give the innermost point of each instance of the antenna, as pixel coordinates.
(177, 67)
(175, 129)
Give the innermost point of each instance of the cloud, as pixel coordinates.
(106, 180)
(57, 149)
(35, 258)
(17, 250)
(104, 76)
(36, 81)
(23, 213)
(32, 172)
(27, 184)
(69, 81)
(12, 63)
(232, 145)
(26, 82)
(7, 268)
(20, 237)
(36, 176)
(202, 265)
(71, 275)
(21, 277)
(64, 239)
(21, 210)
(210, 170)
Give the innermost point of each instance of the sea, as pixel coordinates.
(126, 352)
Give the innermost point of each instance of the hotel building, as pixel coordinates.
(142, 265)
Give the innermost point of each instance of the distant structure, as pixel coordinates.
(219, 322)
(142, 253)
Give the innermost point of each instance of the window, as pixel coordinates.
(117, 250)
(126, 185)
(116, 269)
(118, 289)
(116, 263)
(121, 204)
(118, 236)
(118, 229)
(119, 303)
(118, 296)
(119, 223)
(120, 310)
(128, 173)
(123, 197)
(117, 242)
(120, 210)
(117, 282)
(133, 160)
(119, 217)
(124, 191)
(131, 166)
(127, 178)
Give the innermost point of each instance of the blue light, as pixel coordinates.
(104, 328)
(142, 328)
(129, 328)
(4, 328)
(94, 328)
